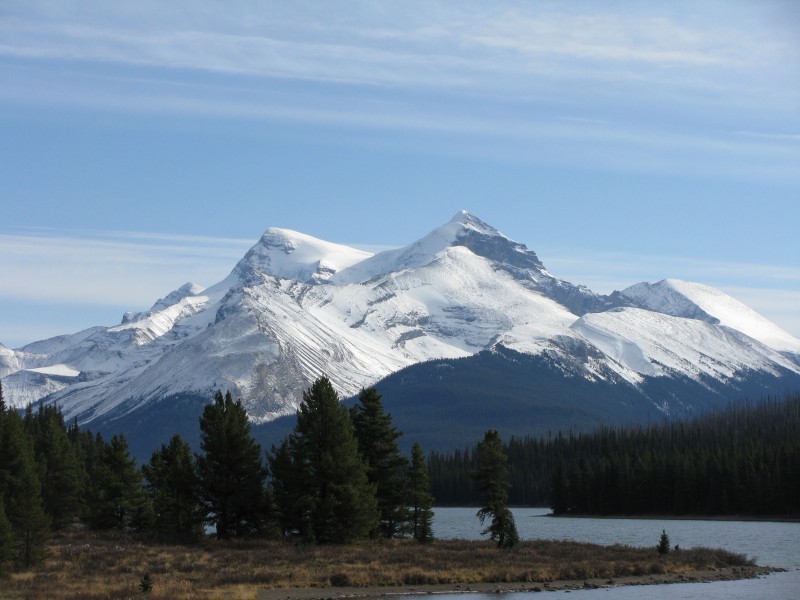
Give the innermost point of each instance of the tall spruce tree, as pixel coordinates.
(291, 490)
(420, 499)
(173, 488)
(89, 449)
(232, 471)
(59, 470)
(21, 489)
(116, 497)
(6, 539)
(492, 481)
(338, 502)
(386, 467)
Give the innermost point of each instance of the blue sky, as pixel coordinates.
(145, 144)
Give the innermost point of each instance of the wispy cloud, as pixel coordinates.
(507, 132)
(510, 50)
(778, 136)
(441, 44)
(544, 84)
(608, 271)
(123, 269)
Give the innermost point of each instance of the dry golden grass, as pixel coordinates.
(94, 566)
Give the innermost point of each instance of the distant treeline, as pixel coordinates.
(744, 460)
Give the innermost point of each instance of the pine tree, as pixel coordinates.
(59, 470)
(231, 471)
(21, 490)
(338, 504)
(663, 543)
(291, 490)
(386, 467)
(419, 497)
(172, 486)
(6, 538)
(89, 449)
(116, 497)
(491, 479)
(28, 519)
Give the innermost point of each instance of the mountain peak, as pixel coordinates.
(467, 219)
(293, 255)
(699, 301)
(187, 289)
(465, 230)
(486, 241)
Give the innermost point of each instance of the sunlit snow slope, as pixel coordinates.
(695, 300)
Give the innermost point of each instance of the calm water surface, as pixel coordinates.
(774, 544)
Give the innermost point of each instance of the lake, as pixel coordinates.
(770, 543)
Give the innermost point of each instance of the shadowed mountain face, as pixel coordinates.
(510, 344)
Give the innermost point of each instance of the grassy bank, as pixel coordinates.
(87, 566)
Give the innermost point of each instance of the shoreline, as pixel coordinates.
(754, 519)
(665, 517)
(332, 593)
(655, 517)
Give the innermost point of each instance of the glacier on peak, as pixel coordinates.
(60, 343)
(297, 256)
(171, 299)
(9, 361)
(657, 344)
(464, 229)
(187, 289)
(154, 324)
(699, 301)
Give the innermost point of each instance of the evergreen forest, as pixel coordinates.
(338, 478)
(743, 460)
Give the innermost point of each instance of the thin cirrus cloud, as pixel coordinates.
(510, 49)
(512, 76)
(124, 269)
(554, 138)
(444, 32)
(609, 271)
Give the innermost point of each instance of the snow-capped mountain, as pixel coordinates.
(296, 307)
(698, 301)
